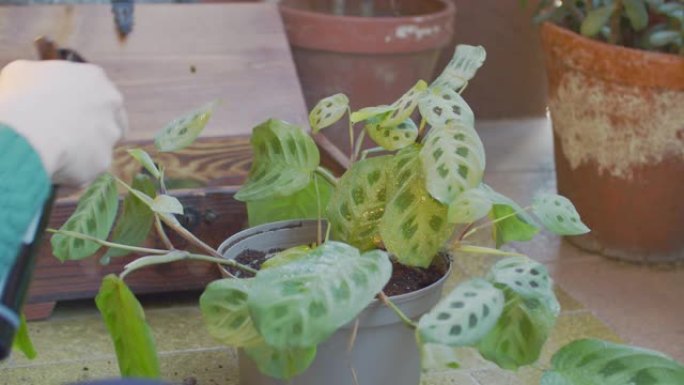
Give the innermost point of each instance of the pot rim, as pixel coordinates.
(620, 64)
(369, 35)
(290, 224)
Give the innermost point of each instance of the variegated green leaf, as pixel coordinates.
(405, 105)
(225, 312)
(286, 256)
(94, 216)
(370, 112)
(518, 336)
(328, 111)
(136, 218)
(436, 357)
(358, 203)
(302, 204)
(146, 161)
(453, 161)
(282, 364)
(558, 214)
(472, 205)
(415, 225)
(442, 106)
(300, 304)
(181, 132)
(284, 160)
(464, 64)
(518, 225)
(156, 259)
(464, 316)
(166, 204)
(528, 278)
(597, 362)
(392, 138)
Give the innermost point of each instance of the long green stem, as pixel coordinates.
(319, 231)
(491, 223)
(327, 175)
(403, 317)
(134, 249)
(359, 144)
(365, 153)
(188, 236)
(162, 234)
(351, 135)
(182, 256)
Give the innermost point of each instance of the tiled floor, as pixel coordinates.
(600, 298)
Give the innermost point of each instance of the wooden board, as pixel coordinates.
(178, 57)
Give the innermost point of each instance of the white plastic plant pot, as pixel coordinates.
(384, 351)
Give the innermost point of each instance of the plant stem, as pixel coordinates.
(327, 175)
(615, 35)
(162, 234)
(359, 144)
(327, 232)
(490, 223)
(187, 235)
(403, 317)
(365, 153)
(142, 263)
(423, 123)
(319, 235)
(465, 85)
(134, 249)
(162, 183)
(351, 135)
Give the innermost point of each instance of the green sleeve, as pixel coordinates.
(24, 187)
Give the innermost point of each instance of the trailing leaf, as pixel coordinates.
(518, 336)
(133, 341)
(518, 225)
(453, 160)
(166, 204)
(156, 259)
(405, 105)
(464, 64)
(94, 216)
(558, 214)
(22, 339)
(392, 138)
(596, 362)
(358, 203)
(528, 278)
(414, 226)
(284, 159)
(282, 364)
(183, 131)
(596, 19)
(135, 220)
(636, 13)
(464, 316)
(302, 303)
(472, 205)
(328, 111)
(146, 161)
(441, 106)
(367, 113)
(286, 256)
(225, 312)
(302, 204)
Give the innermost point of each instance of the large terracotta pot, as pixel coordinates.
(618, 123)
(372, 59)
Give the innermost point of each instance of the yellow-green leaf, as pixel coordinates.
(328, 111)
(22, 340)
(181, 132)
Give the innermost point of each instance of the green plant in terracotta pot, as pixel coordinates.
(616, 98)
(305, 300)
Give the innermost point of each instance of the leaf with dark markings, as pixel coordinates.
(183, 131)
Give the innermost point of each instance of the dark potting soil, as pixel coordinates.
(405, 279)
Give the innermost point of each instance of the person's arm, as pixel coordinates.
(58, 124)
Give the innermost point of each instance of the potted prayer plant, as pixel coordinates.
(324, 300)
(616, 97)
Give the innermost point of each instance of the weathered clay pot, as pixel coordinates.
(618, 122)
(385, 350)
(372, 59)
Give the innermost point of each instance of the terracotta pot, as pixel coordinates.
(618, 122)
(373, 60)
(385, 350)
